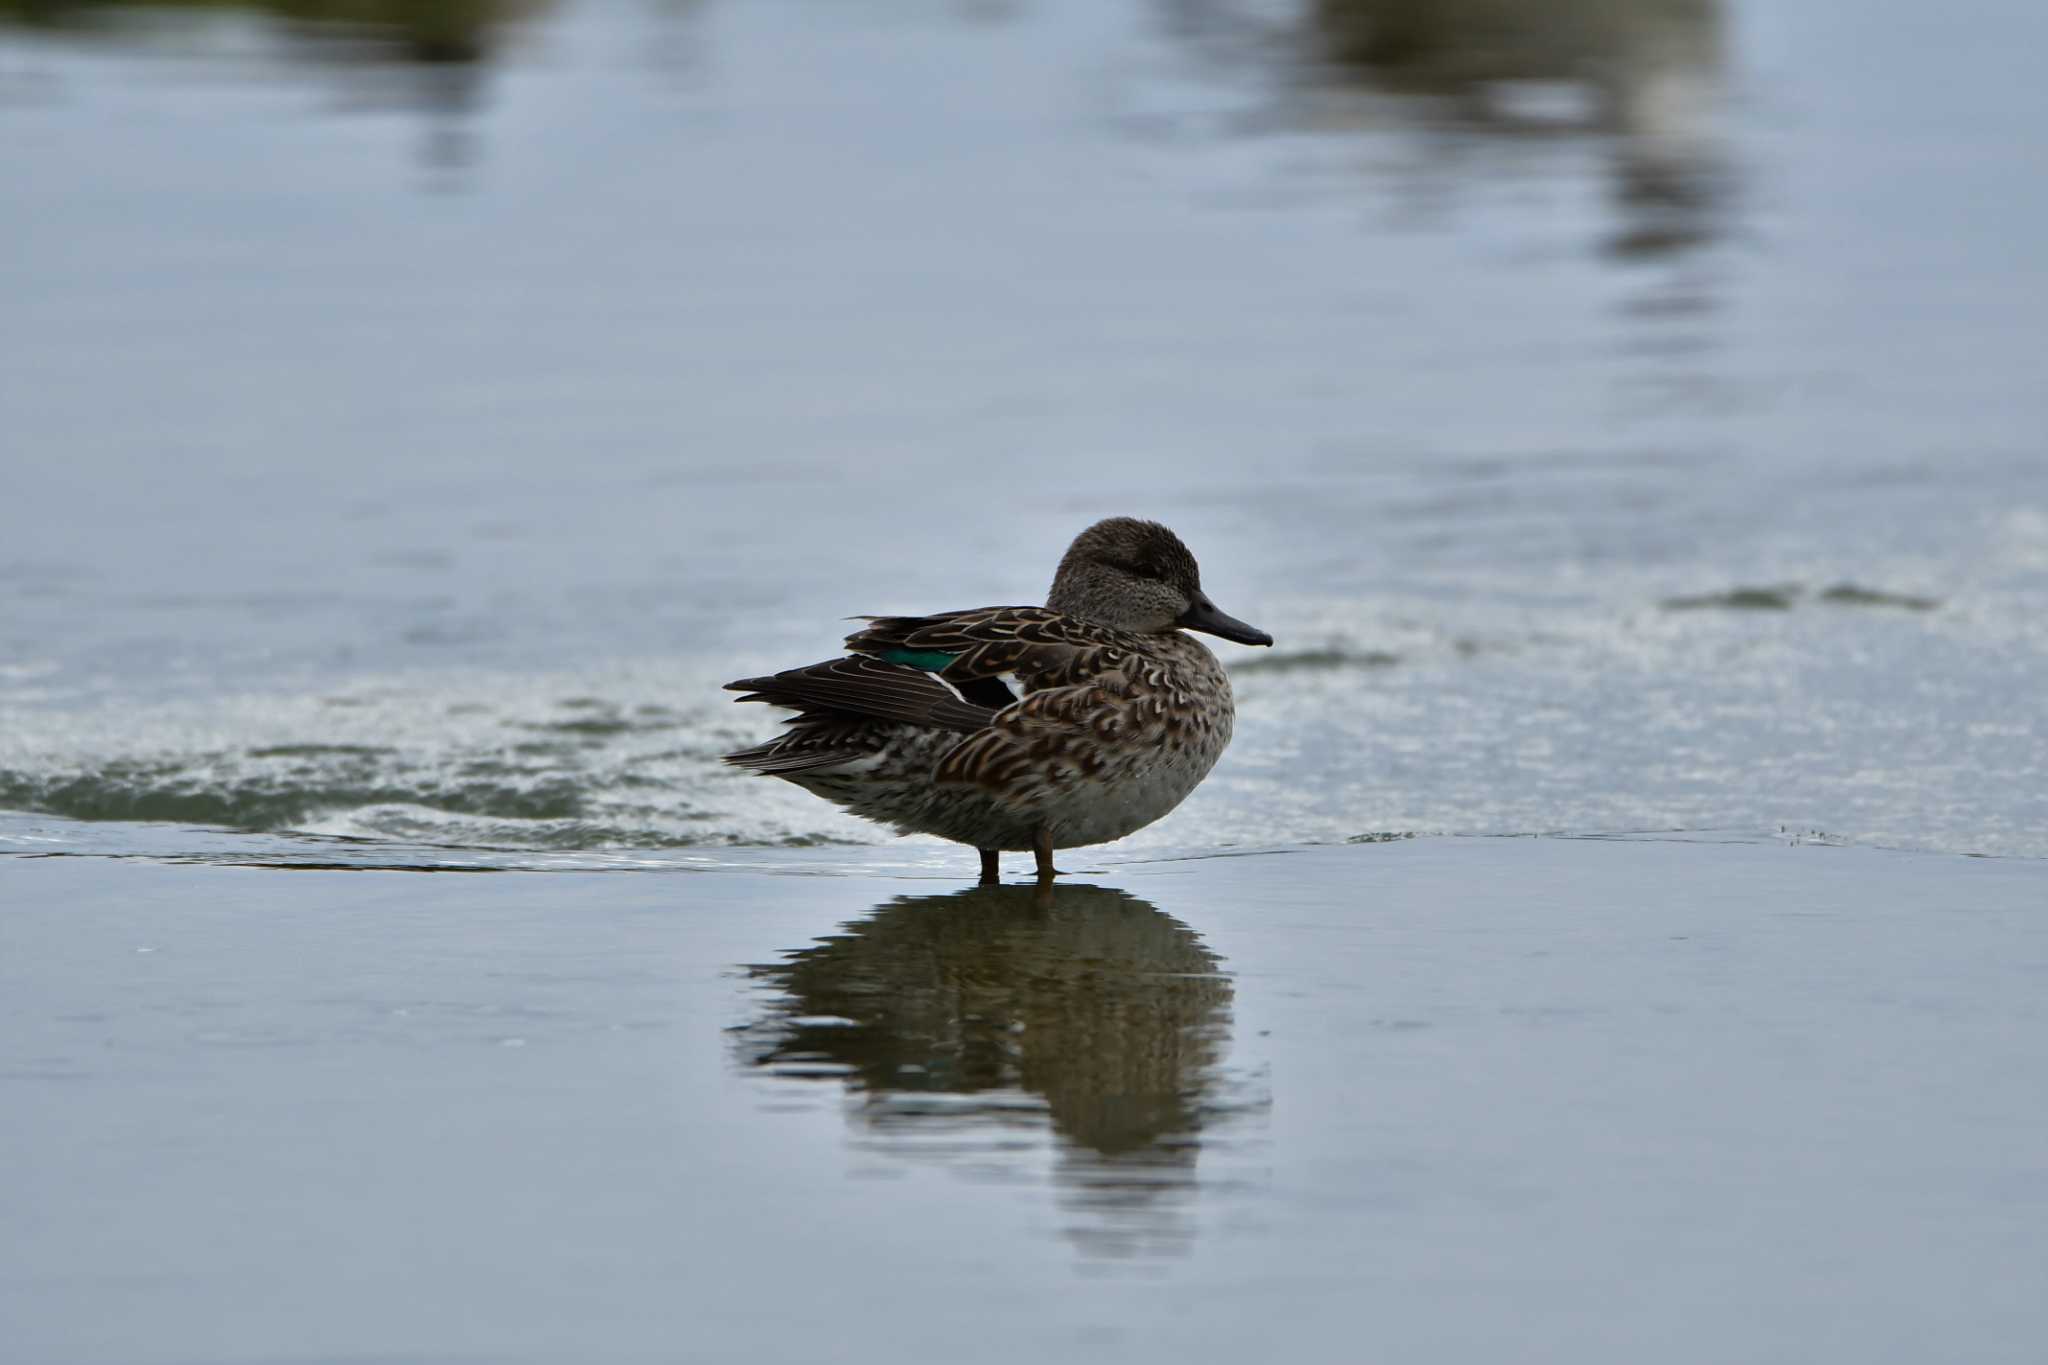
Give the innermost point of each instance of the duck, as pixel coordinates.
(1015, 729)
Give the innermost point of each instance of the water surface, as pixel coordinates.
(1625, 416)
(1437, 1099)
(1628, 418)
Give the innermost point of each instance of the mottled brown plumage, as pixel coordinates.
(1021, 727)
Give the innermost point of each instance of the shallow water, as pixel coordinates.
(1627, 421)
(1439, 1099)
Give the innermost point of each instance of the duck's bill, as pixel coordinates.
(1204, 616)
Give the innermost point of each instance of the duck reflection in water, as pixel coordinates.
(962, 1024)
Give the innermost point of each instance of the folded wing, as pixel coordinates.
(867, 687)
(1003, 680)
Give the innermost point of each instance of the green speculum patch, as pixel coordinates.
(931, 660)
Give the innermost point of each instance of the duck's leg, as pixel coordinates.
(990, 872)
(1042, 846)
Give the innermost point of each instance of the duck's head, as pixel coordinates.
(1136, 576)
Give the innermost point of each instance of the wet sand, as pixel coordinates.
(1670, 1099)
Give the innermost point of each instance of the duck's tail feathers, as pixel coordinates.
(778, 758)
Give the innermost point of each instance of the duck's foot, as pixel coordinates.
(990, 872)
(1042, 846)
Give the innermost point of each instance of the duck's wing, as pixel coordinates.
(1064, 687)
(963, 672)
(848, 710)
(867, 689)
(996, 655)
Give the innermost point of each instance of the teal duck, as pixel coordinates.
(1014, 728)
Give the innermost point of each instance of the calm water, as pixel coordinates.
(1625, 416)
(1445, 1100)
